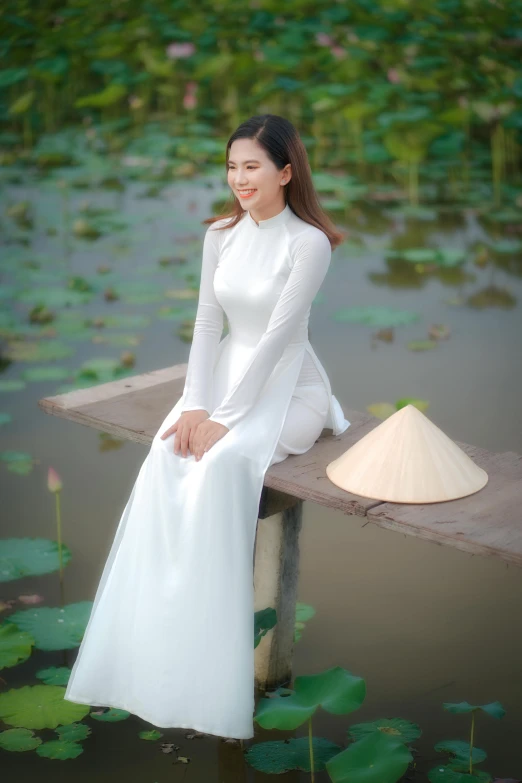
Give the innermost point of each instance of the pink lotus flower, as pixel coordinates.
(393, 75)
(338, 52)
(190, 101)
(323, 39)
(54, 482)
(178, 51)
(30, 599)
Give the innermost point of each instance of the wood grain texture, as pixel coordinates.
(304, 475)
(276, 577)
(130, 408)
(488, 522)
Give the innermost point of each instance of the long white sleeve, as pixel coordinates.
(312, 259)
(208, 328)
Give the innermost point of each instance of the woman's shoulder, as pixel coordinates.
(305, 234)
(221, 223)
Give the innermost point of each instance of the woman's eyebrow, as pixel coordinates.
(246, 161)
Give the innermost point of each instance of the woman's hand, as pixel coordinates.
(207, 433)
(185, 428)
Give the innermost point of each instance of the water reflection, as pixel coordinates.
(51, 281)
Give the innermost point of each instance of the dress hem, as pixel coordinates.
(122, 706)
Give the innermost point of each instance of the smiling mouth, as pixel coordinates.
(247, 193)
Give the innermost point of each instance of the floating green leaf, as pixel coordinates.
(421, 345)
(399, 728)
(19, 740)
(508, 246)
(336, 690)
(39, 707)
(138, 292)
(54, 628)
(54, 675)
(152, 735)
(461, 751)
(112, 715)
(8, 385)
(414, 212)
(276, 758)
(445, 774)
(420, 255)
(175, 313)
(44, 350)
(73, 732)
(20, 557)
(102, 369)
(375, 316)
(506, 215)
(55, 296)
(36, 374)
(443, 257)
(494, 708)
(17, 462)
(15, 645)
(122, 321)
(377, 758)
(59, 749)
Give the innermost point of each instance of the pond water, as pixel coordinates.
(423, 624)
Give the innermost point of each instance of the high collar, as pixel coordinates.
(272, 222)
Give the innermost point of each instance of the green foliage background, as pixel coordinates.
(364, 72)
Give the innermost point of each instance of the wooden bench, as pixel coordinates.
(486, 523)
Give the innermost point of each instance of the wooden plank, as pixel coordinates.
(273, 502)
(486, 523)
(276, 576)
(304, 475)
(489, 522)
(131, 408)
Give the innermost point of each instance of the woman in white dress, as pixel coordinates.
(171, 633)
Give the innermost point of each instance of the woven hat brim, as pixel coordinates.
(407, 459)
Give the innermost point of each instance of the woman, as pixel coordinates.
(170, 637)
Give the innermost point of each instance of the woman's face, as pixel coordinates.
(253, 178)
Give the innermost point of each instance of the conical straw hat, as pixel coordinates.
(407, 459)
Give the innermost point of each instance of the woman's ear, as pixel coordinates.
(287, 174)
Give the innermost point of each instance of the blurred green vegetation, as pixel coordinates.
(370, 83)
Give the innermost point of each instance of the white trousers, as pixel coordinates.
(305, 420)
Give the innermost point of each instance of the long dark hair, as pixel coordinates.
(282, 143)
